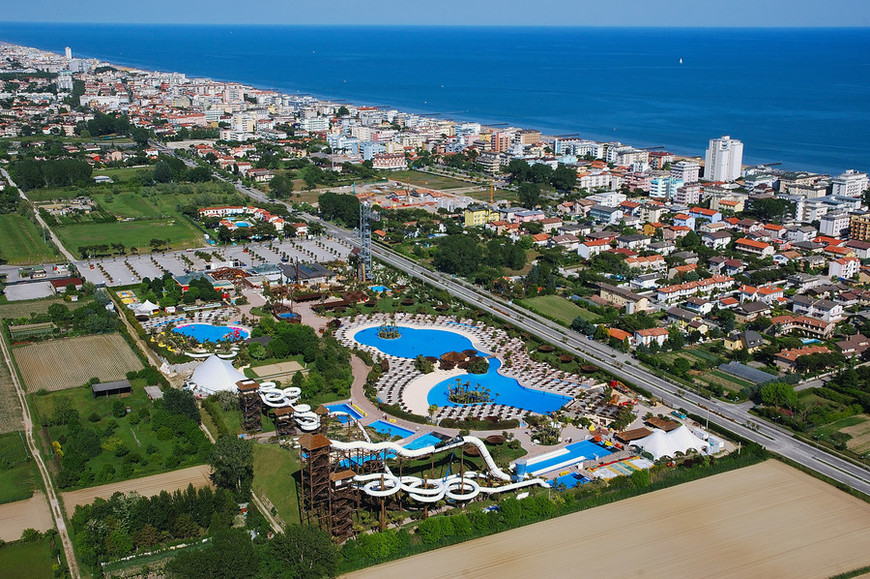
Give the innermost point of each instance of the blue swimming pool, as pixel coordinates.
(379, 288)
(428, 342)
(563, 458)
(414, 341)
(346, 408)
(391, 429)
(422, 442)
(210, 333)
(288, 315)
(569, 481)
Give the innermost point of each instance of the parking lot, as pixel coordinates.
(127, 270)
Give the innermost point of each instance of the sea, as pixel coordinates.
(798, 97)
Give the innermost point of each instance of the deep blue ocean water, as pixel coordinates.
(798, 96)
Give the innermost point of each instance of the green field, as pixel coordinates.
(125, 173)
(22, 242)
(24, 309)
(138, 206)
(27, 560)
(274, 469)
(151, 450)
(558, 308)
(179, 231)
(49, 194)
(18, 471)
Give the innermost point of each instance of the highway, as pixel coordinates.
(732, 417)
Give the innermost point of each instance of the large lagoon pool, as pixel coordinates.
(429, 342)
(210, 333)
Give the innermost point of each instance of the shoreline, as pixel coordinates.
(681, 149)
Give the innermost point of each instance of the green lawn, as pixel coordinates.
(22, 242)
(132, 431)
(558, 308)
(18, 471)
(49, 194)
(179, 231)
(24, 309)
(274, 470)
(27, 560)
(124, 173)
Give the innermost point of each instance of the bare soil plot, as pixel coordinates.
(767, 520)
(280, 371)
(70, 362)
(10, 408)
(146, 486)
(30, 514)
(860, 433)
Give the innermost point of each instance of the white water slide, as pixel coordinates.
(275, 397)
(452, 487)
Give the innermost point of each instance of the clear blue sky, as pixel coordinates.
(808, 13)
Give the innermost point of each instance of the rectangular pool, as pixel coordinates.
(390, 429)
(427, 439)
(568, 456)
(350, 410)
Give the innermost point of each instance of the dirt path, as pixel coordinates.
(53, 501)
(30, 514)
(768, 520)
(146, 486)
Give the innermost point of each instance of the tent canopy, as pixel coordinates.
(661, 443)
(146, 307)
(215, 375)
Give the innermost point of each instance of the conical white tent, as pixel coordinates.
(215, 375)
(661, 443)
(146, 308)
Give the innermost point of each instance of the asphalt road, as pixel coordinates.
(733, 417)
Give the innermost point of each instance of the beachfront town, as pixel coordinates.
(244, 236)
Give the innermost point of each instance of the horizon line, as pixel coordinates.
(446, 25)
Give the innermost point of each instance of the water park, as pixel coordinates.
(512, 384)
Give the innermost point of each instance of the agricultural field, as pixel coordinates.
(31, 560)
(857, 428)
(19, 476)
(147, 486)
(558, 308)
(274, 469)
(25, 309)
(766, 520)
(124, 173)
(10, 407)
(22, 242)
(32, 513)
(178, 231)
(70, 362)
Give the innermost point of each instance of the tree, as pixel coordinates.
(232, 463)
(162, 172)
(341, 208)
(230, 556)
(301, 551)
(769, 208)
(779, 395)
(529, 194)
(181, 402)
(457, 254)
(281, 187)
(257, 351)
(564, 178)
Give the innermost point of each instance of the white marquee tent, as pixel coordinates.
(215, 375)
(661, 443)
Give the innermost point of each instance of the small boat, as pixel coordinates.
(681, 61)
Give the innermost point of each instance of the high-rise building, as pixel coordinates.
(849, 184)
(68, 53)
(724, 159)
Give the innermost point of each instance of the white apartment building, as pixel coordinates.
(834, 224)
(724, 159)
(850, 184)
(664, 187)
(686, 171)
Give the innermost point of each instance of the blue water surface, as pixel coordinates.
(585, 449)
(423, 441)
(350, 410)
(209, 333)
(391, 429)
(796, 95)
(428, 342)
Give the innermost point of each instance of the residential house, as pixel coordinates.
(786, 359)
(822, 309)
(623, 298)
(702, 213)
(647, 337)
(749, 311)
(635, 241)
(854, 346)
(844, 267)
(804, 325)
(716, 239)
(752, 247)
(751, 341)
(593, 247)
(605, 214)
